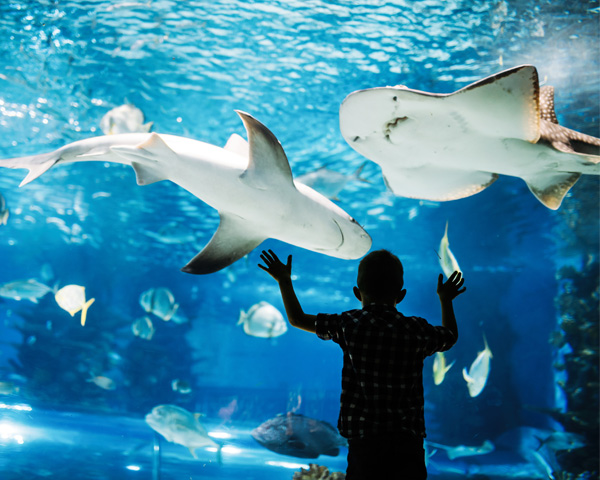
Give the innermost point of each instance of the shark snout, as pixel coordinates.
(361, 240)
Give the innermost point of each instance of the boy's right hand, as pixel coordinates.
(275, 267)
(452, 288)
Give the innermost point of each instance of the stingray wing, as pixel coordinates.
(419, 139)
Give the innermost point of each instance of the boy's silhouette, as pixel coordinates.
(381, 406)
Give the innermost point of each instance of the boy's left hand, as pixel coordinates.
(275, 267)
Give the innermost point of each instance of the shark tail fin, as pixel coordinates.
(84, 310)
(550, 188)
(36, 164)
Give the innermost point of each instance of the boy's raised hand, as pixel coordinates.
(274, 267)
(452, 287)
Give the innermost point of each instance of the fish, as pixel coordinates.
(295, 435)
(439, 367)
(143, 328)
(255, 195)
(181, 386)
(179, 426)
(463, 450)
(329, 182)
(160, 302)
(3, 211)
(263, 320)
(31, 290)
(477, 375)
(103, 382)
(9, 388)
(72, 299)
(172, 233)
(124, 119)
(447, 260)
(225, 413)
(444, 147)
(535, 446)
(557, 441)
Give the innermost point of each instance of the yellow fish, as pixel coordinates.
(72, 299)
(439, 367)
(447, 260)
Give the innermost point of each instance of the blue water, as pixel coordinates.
(188, 65)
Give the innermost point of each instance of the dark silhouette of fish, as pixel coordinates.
(299, 436)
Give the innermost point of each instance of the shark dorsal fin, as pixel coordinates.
(239, 145)
(267, 162)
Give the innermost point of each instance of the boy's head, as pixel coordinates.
(380, 279)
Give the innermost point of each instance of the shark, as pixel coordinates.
(249, 183)
(443, 147)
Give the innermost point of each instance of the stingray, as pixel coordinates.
(444, 147)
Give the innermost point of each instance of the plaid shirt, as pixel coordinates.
(382, 375)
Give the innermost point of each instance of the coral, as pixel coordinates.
(317, 472)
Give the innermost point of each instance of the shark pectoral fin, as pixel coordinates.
(146, 175)
(232, 240)
(267, 163)
(436, 183)
(466, 376)
(550, 188)
(149, 159)
(193, 452)
(502, 105)
(239, 145)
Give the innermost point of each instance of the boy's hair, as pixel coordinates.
(380, 275)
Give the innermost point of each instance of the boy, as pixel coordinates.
(381, 406)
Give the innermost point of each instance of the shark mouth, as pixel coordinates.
(339, 245)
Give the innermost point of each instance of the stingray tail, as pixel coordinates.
(36, 164)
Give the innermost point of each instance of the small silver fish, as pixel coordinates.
(31, 290)
(181, 386)
(439, 367)
(3, 211)
(124, 119)
(178, 425)
(143, 328)
(479, 371)
(329, 182)
(160, 302)
(447, 260)
(103, 382)
(263, 320)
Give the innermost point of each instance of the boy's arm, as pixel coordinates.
(447, 292)
(283, 275)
